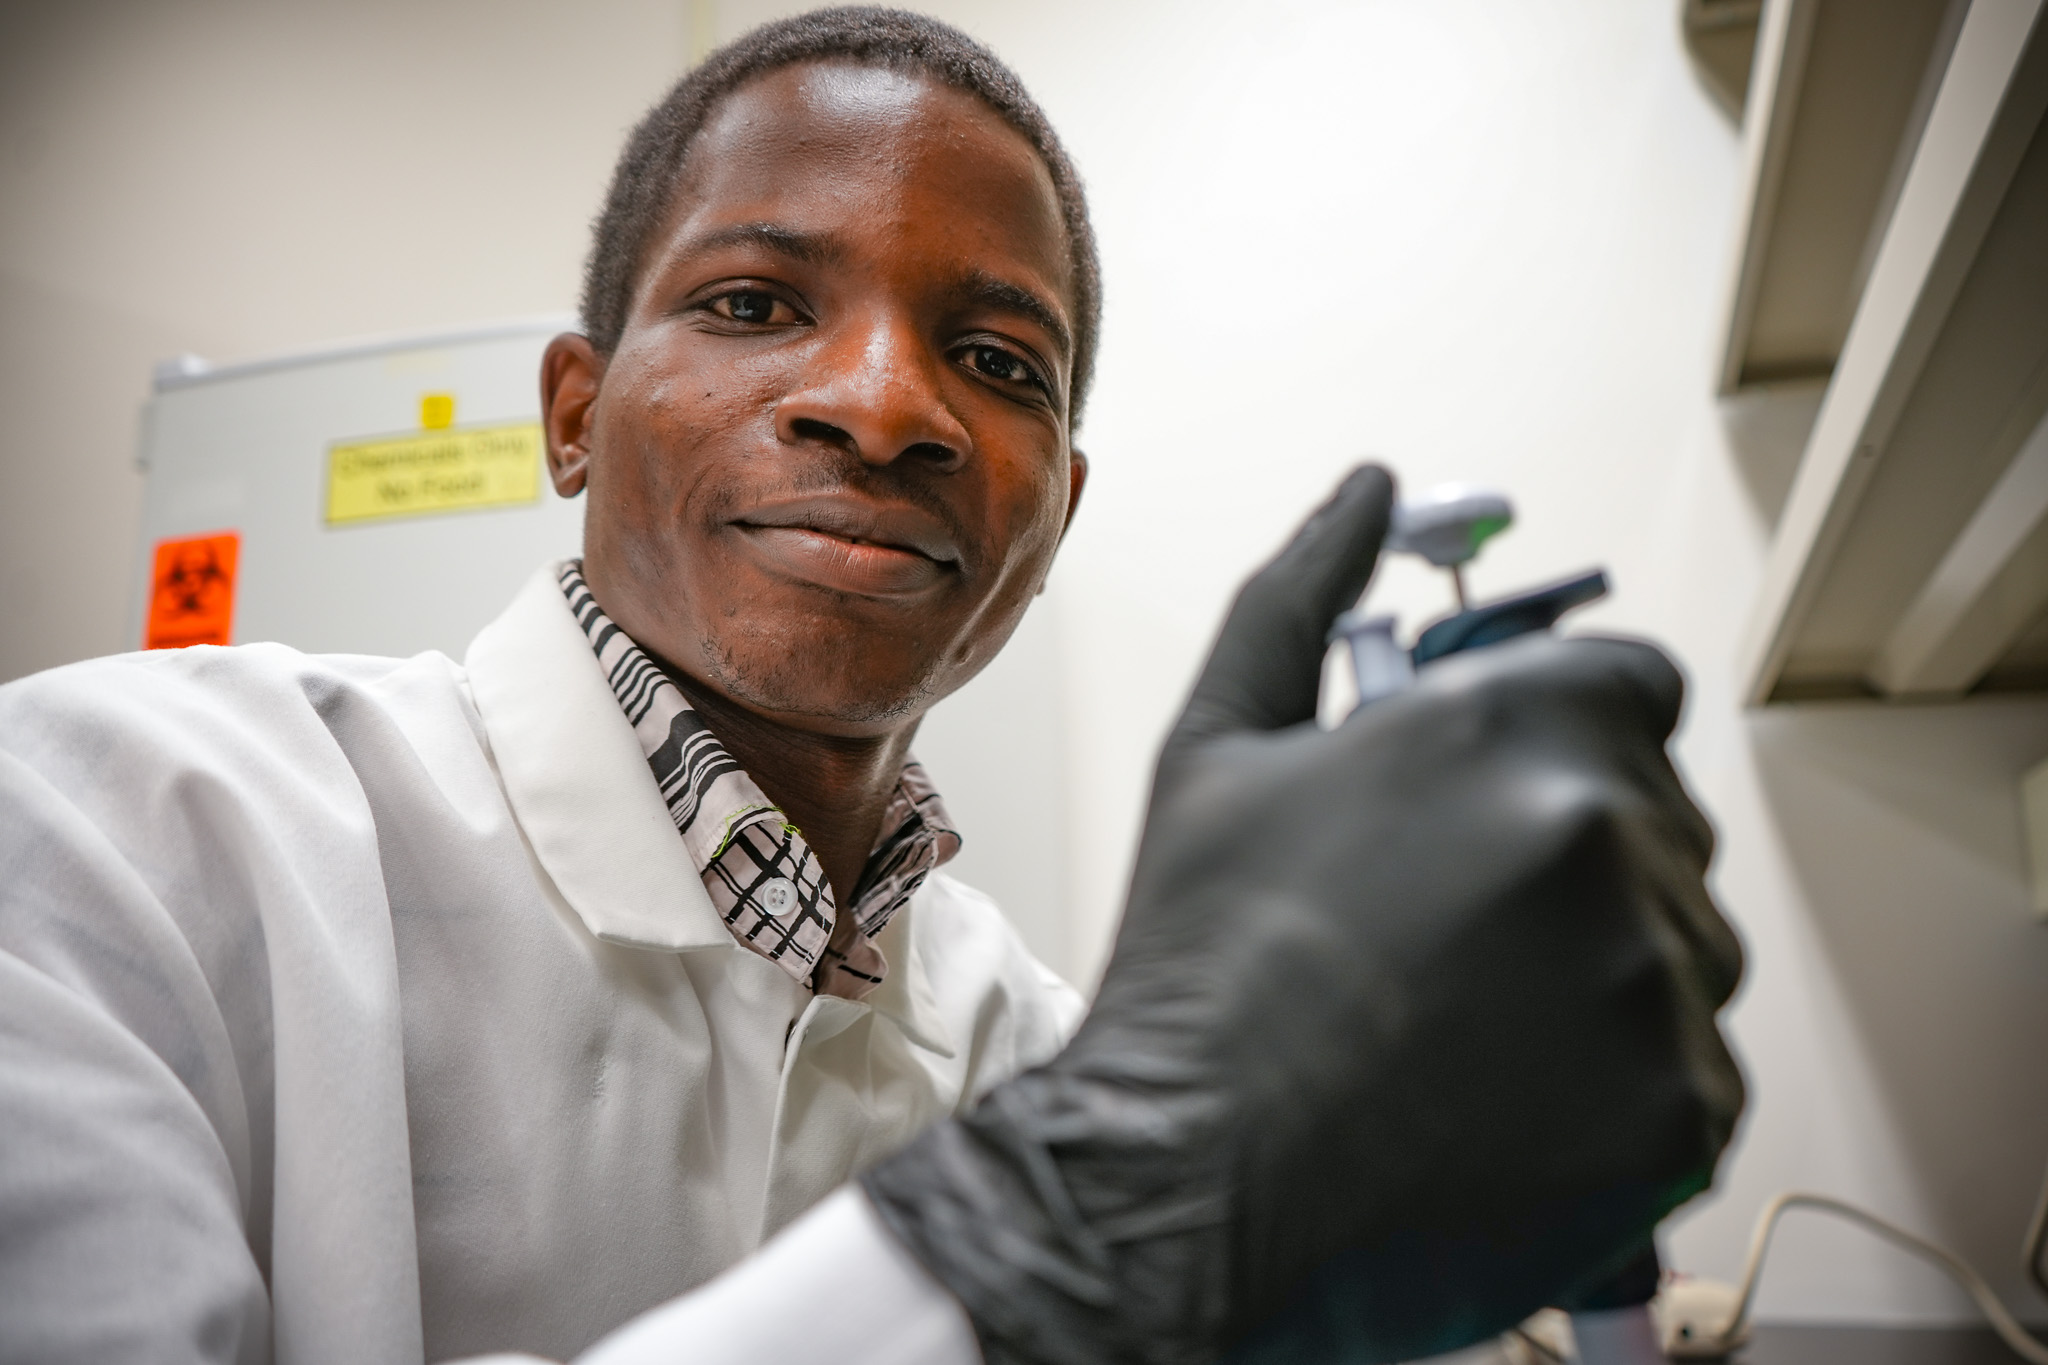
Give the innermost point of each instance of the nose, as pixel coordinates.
(873, 390)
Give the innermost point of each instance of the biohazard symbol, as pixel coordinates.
(192, 591)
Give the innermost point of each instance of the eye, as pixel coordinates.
(753, 306)
(997, 363)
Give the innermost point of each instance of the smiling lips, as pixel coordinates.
(852, 546)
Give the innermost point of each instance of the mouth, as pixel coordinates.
(851, 545)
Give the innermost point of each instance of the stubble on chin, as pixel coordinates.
(774, 676)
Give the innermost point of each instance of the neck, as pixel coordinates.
(831, 787)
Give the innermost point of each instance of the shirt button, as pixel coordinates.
(777, 896)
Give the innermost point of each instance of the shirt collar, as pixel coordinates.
(761, 877)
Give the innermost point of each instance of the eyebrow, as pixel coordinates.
(978, 286)
(812, 248)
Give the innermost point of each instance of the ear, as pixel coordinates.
(1077, 479)
(570, 373)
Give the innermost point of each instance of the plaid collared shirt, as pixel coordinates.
(761, 875)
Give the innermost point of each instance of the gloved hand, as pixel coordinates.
(1409, 1026)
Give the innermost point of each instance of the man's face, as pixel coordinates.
(828, 463)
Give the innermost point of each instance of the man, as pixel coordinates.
(358, 1009)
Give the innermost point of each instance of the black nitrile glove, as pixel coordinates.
(1409, 1028)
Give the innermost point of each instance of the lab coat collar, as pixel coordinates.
(578, 783)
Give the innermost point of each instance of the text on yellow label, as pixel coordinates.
(442, 471)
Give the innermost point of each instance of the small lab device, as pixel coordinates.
(1447, 526)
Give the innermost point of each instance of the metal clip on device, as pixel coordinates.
(1446, 526)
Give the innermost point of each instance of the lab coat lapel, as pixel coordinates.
(578, 783)
(905, 995)
(858, 1080)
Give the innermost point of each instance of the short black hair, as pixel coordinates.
(652, 162)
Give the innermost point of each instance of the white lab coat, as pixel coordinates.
(370, 1010)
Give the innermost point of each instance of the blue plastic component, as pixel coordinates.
(1509, 617)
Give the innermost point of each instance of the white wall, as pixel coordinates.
(1482, 238)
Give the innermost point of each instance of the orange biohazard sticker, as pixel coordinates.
(192, 591)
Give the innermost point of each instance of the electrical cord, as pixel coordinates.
(1731, 1334)
(2002, 1322)
(2037, 1234)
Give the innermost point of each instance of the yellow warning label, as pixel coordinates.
(441, 471)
